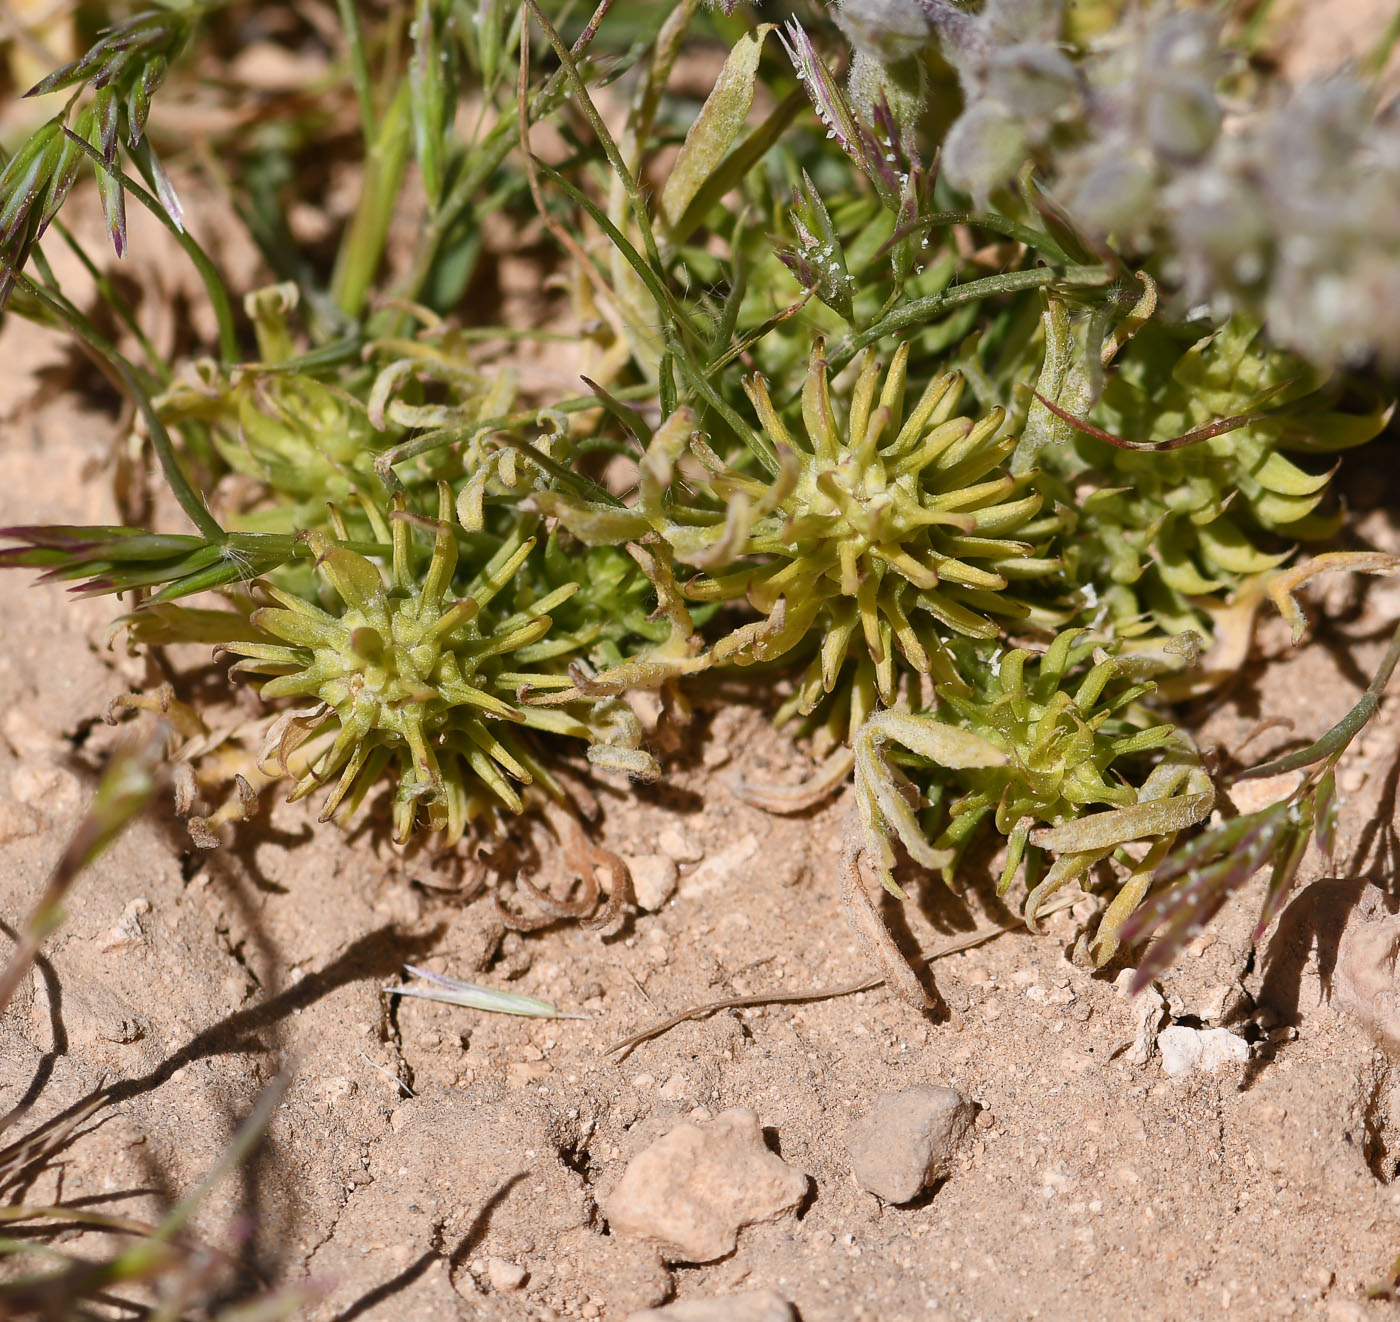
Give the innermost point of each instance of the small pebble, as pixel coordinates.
(677, 1087)
(44, 786)
(1188, 1050)
(1364, 981)
(128, 930)
(17, 820)
(1218, 1003)
(26, 734)
(691, 1192)
(1147, 1009)
(717, 753)
(722, 870)
(505, 1276)
(754, 1306)
(680, 847)
(908, 1140)
(654, 878)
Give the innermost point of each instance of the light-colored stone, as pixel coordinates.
(17, 820)
(753, 1306)
(654, 879)
(908, 1140)
(504, 1275)
(1148, 1008)
(722, 870)
(1189, 1050)
(716, 754)
(1364, 981)
(679, 846)
(51, 789)
(692, 1191)
(1221, 1004)
(1346, 1310)
(27, 734)
(128, 930)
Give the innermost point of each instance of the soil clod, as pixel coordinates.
(692, 1191)
(908, 1140)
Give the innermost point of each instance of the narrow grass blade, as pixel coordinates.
(452, 991)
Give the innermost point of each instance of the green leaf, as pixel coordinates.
(356, 579)
(1226, 546)
(716, 127)
(432, 94)
(453, 991)
(1105, 830)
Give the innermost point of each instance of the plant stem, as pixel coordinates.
(112, 296)
(484, 162)
(605, 138)
(435, 440)
(925, 309)
(362, 248)
(208, 273)
(359, 68)
(1340, 735)
(1035, 239)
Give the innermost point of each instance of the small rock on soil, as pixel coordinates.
(755, 1306)
(908, 1140)
(692, 1191)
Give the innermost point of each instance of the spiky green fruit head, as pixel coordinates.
(886, 531)
(411, 679)
(1162, 528)
(1048, 748)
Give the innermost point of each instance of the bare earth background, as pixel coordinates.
(1095, 1186)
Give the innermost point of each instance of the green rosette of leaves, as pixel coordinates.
(1204, 461)
(306, 436)
(1055, 751)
